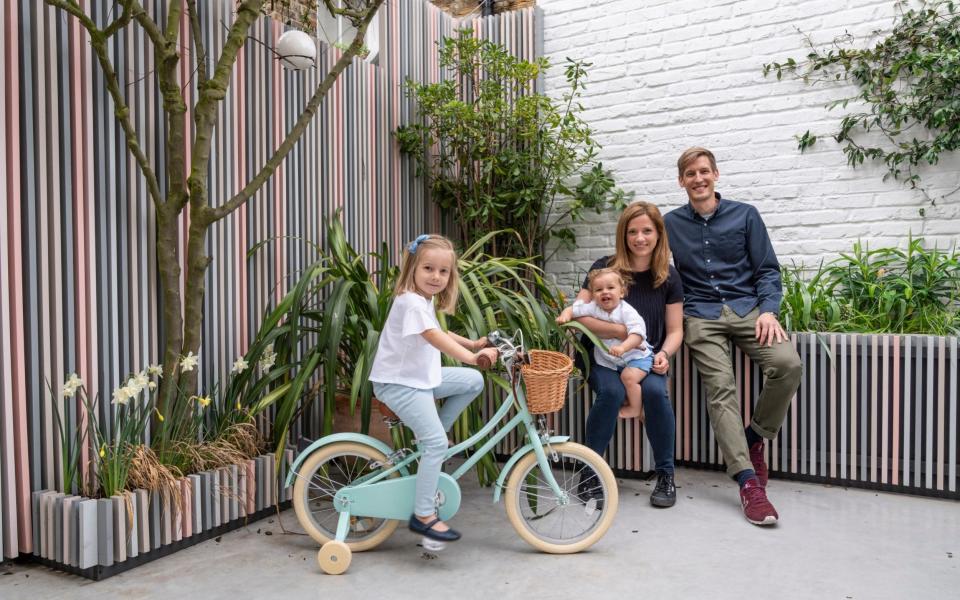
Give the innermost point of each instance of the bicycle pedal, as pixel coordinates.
(431, 545)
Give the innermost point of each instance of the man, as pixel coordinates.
(732, 292)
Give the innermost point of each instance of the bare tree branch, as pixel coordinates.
(303, 120)
(144, 20)
(200, 57)
(98, 41)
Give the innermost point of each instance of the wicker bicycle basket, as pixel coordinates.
(546, 380)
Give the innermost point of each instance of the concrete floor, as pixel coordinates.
(830, 543)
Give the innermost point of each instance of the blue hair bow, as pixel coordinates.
(415, 243)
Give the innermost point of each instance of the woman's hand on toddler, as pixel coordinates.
(566, 315)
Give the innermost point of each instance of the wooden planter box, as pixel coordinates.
(872, 411)
(98, 538)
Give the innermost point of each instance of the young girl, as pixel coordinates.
(407, 375)
(631, 356)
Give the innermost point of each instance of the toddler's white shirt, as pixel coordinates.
(624, 314)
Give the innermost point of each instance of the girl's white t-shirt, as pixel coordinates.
(403, 355)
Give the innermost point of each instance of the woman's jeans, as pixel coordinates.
(608, 398)
(418, 411)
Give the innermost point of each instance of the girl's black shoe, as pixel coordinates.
(426, 530)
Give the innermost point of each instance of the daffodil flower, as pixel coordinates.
(141, 379)
(103, 451)
(189, 362)
(121, 395)
(155, 370)
(239, 366)
(71, 386)
(203, 401)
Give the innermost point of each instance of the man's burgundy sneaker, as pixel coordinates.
(759, 464)
(756, 508)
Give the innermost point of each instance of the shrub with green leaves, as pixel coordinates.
(498, 155)
(325, 331)
(885, 290)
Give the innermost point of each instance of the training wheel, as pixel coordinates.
(334, 557)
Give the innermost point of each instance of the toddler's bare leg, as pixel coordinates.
(631, 378)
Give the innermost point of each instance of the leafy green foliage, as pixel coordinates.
(325, 331)
(498, 155)
(909, 86)
(887, 290)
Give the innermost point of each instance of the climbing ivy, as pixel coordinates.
(908, 90)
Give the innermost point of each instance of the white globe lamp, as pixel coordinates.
(297, 50)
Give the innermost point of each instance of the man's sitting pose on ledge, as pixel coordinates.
(732, 292)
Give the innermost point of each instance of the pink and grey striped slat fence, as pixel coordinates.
(78, 281)
(874, 411)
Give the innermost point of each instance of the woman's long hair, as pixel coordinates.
(660, 261)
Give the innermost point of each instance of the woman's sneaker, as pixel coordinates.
(665, 494)
(756, 507)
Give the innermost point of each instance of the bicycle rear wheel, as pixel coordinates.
(548, 524)
(320, 477)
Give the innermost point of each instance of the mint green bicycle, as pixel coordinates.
(351, 490)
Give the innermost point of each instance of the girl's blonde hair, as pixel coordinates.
(446, 300)
(660, 261)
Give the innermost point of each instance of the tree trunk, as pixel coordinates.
(168, 264)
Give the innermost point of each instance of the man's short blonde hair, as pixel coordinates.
(691, 154)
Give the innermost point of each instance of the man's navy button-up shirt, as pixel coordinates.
(726, 259)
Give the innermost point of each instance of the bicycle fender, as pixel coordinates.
(331, 439)
(498, 488)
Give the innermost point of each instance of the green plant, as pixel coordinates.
(909, 88)
(498, 155)
(886, 290)
(325, 331)
(72, 439)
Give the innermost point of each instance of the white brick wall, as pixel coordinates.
(669, 74)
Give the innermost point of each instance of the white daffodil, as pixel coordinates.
(267, 361)
(239, 366)
(152, 385)
(140, 379)
(72, 385)
(121, 395)
(155, 370)
(189, 362)
(133, 390)
(268, 358)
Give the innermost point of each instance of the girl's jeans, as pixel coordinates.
(418, 411)
(608, 397)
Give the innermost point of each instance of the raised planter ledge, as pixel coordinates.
(100, 572)
(94, 538)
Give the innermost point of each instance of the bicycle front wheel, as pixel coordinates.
(562, 527)
(320, 477)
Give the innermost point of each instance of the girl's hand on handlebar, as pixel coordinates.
(479, 344)
(486, 358)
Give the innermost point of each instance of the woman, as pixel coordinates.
(655, 291)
